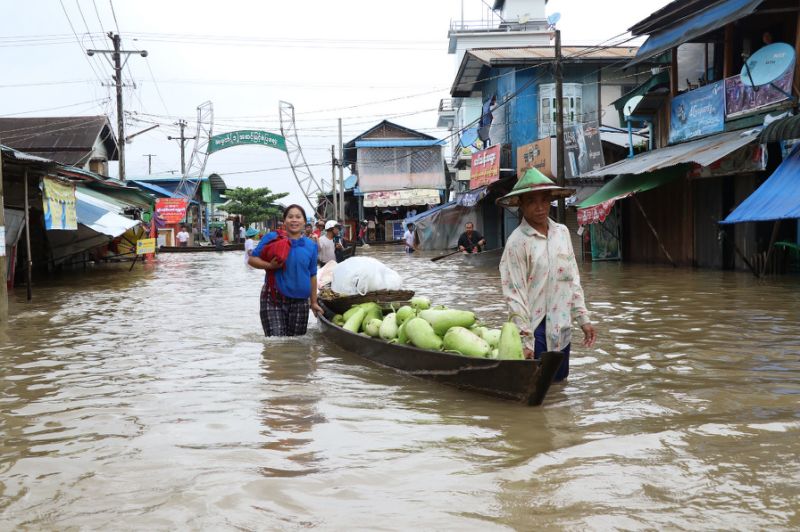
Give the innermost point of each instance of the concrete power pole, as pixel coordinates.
(118, 65)
(149, 162)
(341, 172)
(3, 274)
(333, 185)
(560, 178)
(182, 124)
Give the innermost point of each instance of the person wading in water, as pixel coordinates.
(290, 287)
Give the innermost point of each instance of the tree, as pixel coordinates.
(255, 204)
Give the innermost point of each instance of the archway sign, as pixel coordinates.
(244, 137)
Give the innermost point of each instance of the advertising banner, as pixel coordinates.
(595, 214)
(697, 113)
(537, 155)
(145, 246)
(485, 167)
(246, 136)
(741, 99)
(171, 210)
(397, 198)
(58, 199)
(583, 150)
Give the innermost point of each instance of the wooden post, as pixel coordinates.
(673, 72)
(655, 233)
(29, 261)
(560, 170)
(775, 227)
(728, 51)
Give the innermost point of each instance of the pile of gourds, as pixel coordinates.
(435, 328)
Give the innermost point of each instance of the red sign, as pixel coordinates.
(595, 214)
(171, 210)
(485, 167)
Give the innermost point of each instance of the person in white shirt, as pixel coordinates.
(183, 237)
(411, 245)
(250, 243)
(242, 233)
(327, 249)
(539, 274)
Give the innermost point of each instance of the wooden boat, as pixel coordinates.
(347, 252)
(523, 381)
(488, 258)
(196, 249)
(379, 243)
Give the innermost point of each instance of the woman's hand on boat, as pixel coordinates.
(527, 352)
(315, 308)
(589, 334)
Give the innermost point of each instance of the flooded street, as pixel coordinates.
(151, 400)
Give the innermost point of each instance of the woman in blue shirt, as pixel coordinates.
(290, 286)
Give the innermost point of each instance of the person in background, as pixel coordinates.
(470, 240)
(362, 233)
(242, 234)
(539, 274)
(183, 237)
(338, 241)
(290, 287)
(408, 237)
(327, 249)
(219, 239)
(309, 232)
(319, 228)
(250, 244)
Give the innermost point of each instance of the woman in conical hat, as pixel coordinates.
(539, 274)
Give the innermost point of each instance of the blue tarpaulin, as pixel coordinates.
(704, 21)
(414, 219)
(777, 199)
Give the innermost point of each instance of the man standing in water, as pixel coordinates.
(539, 273)
(470, 240)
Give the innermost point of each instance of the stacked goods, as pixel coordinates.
(435, 328)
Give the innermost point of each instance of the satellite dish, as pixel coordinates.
(767, 64)
(469, 137)
(350, 182)
(630, 105)
(553, 19)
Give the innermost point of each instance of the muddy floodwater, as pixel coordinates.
(151, 400)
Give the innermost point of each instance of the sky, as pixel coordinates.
(359, 60)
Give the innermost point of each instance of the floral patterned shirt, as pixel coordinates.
(540, 278)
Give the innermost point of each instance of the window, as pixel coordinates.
(548, 108)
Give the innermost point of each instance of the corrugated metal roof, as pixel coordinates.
(22, 156)
(66, 139)
(398, 143)
(544, 53)
(702, 151)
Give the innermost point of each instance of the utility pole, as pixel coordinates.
(560, 178)
(149, 162)
(341, 172)
(118, 65)
(3, 274)
(182, 124)
(333, 184)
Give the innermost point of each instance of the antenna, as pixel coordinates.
(553, 19)
(768, 64)
(630, 106)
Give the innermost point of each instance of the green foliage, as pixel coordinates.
(255, 204)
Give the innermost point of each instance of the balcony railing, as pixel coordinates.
(446, 106)
(478, 26)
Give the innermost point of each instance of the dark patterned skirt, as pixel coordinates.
(283, 316)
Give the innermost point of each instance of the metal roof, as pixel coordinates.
(66, 139)
(702, 151)
(25, 157)
(398, 143)
(475, 61)
(782, 129)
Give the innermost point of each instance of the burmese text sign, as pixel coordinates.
(485, 167)
(246, 136)
(697, 113)
(145, 246)
(171, 210)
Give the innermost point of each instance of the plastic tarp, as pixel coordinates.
(383, 169)
(704, 21)
(440, 228)
(101, 216)
(777, 199)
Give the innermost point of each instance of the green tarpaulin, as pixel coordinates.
(626, 184)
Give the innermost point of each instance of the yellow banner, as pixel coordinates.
(58, 199)
(145, 246)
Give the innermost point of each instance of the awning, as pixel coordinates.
(472, 197)
(777, 199)
(781, 129)
(101, 216)
(398, 143)
(653, 92)
(627, 184)
(707, 20)
(414, 219)
(703, 151)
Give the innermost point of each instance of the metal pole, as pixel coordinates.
(3, 259)
(341, 172)
(182, 124)
(333, 184)
(560, 177)
(29, 262)
(149, 162)
(120, 117)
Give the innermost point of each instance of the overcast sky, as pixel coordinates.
(361, 60)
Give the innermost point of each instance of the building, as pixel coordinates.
(720, 124)
(86, 142)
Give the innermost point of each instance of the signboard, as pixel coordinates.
(583, 150)
(536, 155)
(58, 199)
(397, 198)
(246, 136)
(741, 99)
(595, 214)
(171, 210)
(145, 246)
(697, 113)
(485, 167)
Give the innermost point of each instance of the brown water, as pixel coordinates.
(151, 400)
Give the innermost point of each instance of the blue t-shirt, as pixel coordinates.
(294, 279)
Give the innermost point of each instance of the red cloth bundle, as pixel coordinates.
(276, 249)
